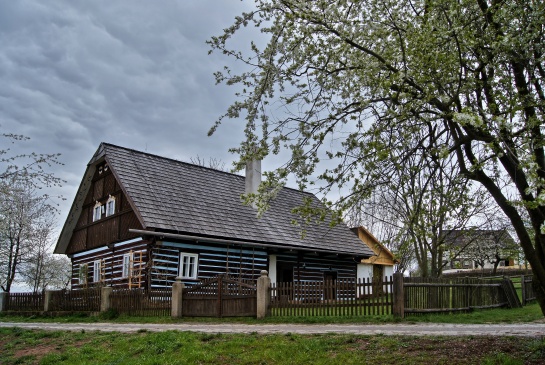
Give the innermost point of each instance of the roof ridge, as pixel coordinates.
(167, 158)
(194, 165)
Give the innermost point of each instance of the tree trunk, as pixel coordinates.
(496, 263)
(421, 258)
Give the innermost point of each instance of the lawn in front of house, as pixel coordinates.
(19, 346)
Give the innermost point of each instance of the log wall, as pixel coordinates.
(313, 267)
(112, 263)
(214, 259)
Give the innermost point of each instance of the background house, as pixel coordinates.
(480, 249)
(141, 220)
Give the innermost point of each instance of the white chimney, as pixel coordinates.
(253, 177)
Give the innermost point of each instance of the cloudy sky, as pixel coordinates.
(133, 73)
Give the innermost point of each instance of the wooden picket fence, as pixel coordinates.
(527, 289)
(436, 295)
(25, 302)
(224, 296)
(220, 296)
(85, 300)
(342, 297)
(142, 302)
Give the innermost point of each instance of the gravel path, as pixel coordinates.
(419, 329)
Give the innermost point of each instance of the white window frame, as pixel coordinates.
(96, 271)
(97, 212)
(189, 265)
(110, 206)
(127, 265)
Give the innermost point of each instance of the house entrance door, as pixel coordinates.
(378, 275)
(330, 287)
(285, 273)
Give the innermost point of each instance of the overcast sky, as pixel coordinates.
(133, 73)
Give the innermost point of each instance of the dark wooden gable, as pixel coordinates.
(108, 229)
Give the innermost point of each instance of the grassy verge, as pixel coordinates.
(19, 346)
(529, 313)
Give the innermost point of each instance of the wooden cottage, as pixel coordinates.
(141, 220)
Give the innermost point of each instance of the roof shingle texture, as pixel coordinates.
(176, 196)
(463, 237)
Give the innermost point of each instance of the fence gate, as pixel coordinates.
(220, 296)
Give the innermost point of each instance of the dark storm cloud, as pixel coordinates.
(132, 73)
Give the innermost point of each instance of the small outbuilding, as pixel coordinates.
(379, 265)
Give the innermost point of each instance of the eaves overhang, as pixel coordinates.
(188, 237)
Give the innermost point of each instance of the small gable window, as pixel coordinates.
(97, 212)
(188, 265)
(127, 265)
(110, 206)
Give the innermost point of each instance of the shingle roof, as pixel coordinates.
(174, 196)
(464, 237)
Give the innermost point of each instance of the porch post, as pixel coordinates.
(105, 302)
(177, 296)
(398, 296)
(263, 294)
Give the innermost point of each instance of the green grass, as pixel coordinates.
(19, 346)
(528, 313)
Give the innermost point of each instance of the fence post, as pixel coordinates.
(177, 296)
(48, 300)
(398, 296)
(3, 301)
(523, 289)
(263, 294)
(105, 302)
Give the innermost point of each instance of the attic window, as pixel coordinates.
(100, 169)
(97, 211)
(110, 206)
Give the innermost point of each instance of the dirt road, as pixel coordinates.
(419, 329)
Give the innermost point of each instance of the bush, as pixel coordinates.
(109, 314)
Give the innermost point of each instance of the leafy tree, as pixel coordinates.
(41, 269)
(489, 244)
(334, 75)
(26, 217)
(496, 248)
(424, 197)
(32, 265)
(27, 166)
(26, 220)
